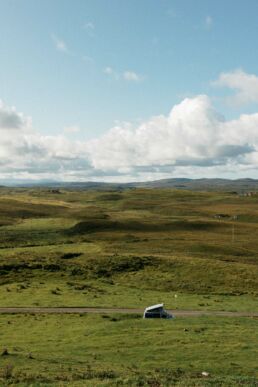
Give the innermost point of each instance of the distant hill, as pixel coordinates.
(238, 185)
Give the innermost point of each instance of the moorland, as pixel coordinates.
(129, 248)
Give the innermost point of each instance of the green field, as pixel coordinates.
(128, 248)
(127, 350)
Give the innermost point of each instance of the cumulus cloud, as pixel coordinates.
(243, 84)
(11, 119)
(193, 140)
(193, 134)
(24, 151)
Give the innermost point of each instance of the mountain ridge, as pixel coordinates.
(205, 184)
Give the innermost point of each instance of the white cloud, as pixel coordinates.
(132, 76)
(90, 28)
(111, 73)
(24, 151)
(108, 70)
(127, 75)
(208, 22)
(192, 135)
(192, 140)
(243, 84)
(60, 45)
(11, 119)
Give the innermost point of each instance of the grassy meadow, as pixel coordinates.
(119, 350)
(128, 248)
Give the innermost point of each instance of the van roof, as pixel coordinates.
(154, 307)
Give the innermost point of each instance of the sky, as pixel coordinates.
(111, 90)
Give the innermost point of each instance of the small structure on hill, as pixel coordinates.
(226, 216)
(250, 193)
(156, 311)
(54, 191)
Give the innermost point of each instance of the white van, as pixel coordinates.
(156, 311)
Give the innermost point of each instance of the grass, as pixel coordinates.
(156, 242)
(118, 348)
(72, 292)
(128, 248)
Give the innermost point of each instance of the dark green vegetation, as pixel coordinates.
(128, 248)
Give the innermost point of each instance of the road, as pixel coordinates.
(82, 310)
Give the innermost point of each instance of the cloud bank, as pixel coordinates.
(193, 140)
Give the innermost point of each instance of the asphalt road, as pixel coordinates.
(81, 310)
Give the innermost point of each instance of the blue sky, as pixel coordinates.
(90, 65)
